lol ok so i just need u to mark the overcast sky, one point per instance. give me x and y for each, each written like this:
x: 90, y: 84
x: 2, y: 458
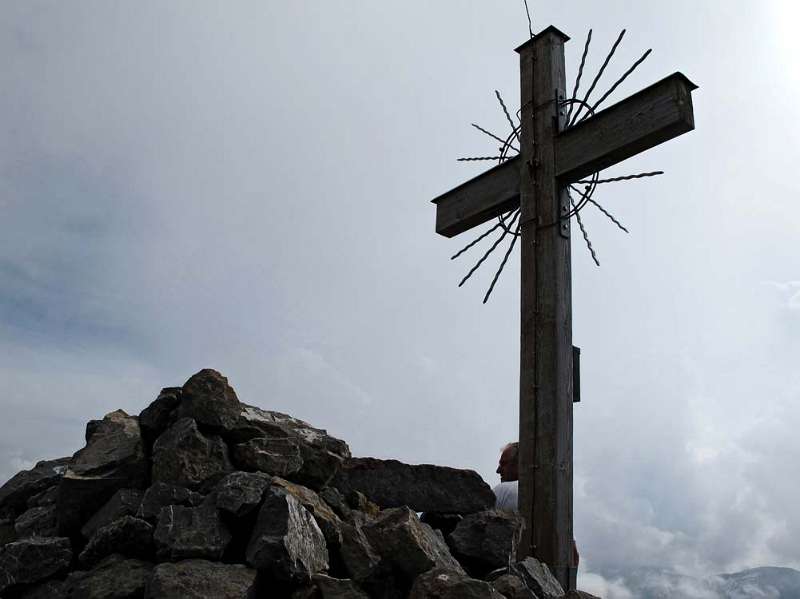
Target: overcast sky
x: 246, y: 186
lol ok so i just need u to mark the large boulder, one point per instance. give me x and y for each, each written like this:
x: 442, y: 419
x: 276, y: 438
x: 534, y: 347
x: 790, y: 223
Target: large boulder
x: 287, y: 542
x: 321, y: 454
x: 485, y: 541
x: 271, y: 455
x: 184, y: 456
x: 442, y: 583
x: 113, y: 459
x: 31, y: 560
x: 191, y: 532
x: 159, y: 415
x: 360, y: 561
x: 124, y: 502
x: 327, y: 520
x: 240, y: 493
x: 208, y: 399
x: 116, y: 577
x: 38, y: 522
x: 16, y: 492
x: 128, y: 536
x: 511, y: 586
x: 161, y: 494
x: 201, y: 579
x: 423, y: 488
x: 407, y: 544
x: 539, y: 579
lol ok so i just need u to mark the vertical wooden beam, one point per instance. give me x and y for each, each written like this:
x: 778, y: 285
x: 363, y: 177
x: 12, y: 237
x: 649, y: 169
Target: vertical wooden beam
x: 545, y: 436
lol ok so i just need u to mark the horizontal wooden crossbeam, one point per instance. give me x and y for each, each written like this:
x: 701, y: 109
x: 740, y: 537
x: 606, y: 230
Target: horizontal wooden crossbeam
x: 480, y: 199
x: 645, y: 119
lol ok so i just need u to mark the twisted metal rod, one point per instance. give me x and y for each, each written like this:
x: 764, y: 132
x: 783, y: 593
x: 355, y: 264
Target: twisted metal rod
x: 502, y: 264
x: 622, y: 178
x: 472, y: 243
x: 580, y: 73
x: 486, y: 255
x: 493, y: 136
x: 617, y: 83
x: 597, y: 77
x: 502, y: 221
x: 474, y: 158
x: 599, y: 207
x: 585, y: 234
x: 505, y: 110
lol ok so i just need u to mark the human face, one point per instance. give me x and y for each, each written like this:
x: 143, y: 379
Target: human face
x: 507, y: 468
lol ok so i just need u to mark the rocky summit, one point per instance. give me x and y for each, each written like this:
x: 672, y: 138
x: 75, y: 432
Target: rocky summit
x: 203, y: 496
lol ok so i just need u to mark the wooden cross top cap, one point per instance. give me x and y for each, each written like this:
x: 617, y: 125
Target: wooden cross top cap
x: 550, y: 30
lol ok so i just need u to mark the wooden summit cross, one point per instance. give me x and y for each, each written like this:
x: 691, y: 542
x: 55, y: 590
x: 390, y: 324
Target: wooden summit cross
x: 550, y: 158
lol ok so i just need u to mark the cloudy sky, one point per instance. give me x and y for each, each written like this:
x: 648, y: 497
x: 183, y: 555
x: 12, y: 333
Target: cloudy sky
x: 246, y: 187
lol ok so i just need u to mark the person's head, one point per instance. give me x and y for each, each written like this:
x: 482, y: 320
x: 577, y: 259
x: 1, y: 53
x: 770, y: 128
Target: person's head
x: 508, y: 468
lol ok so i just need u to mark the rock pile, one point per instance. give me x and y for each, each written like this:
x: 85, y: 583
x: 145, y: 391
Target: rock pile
x: 202, y: 496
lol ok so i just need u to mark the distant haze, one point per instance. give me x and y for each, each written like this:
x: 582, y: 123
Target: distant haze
x: 246, y: 187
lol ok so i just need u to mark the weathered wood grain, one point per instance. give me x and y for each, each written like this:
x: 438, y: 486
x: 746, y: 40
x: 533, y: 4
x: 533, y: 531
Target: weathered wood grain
x: 545, y: 473
x: 480, y: 199
x: 644, y: 120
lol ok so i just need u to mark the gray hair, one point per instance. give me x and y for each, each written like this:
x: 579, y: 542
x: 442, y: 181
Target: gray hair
x: 514, y: 447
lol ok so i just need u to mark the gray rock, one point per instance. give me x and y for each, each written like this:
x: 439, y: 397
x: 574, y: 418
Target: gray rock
x: 287, y: 542
x: 361, y: 562
x: 114, y: 578
x: 208, y: 399
x: 161, y: 494
x: 7, y: 532
x: 580, y: 595
x: 423, y: 488
x: 327, y: 520
x: 124, y: 502
x: 410, y: 546
x: 511, y: 587
x: 334, y: 498
x: 445, y: 522
x: 326, y: 587
x: 539, y: 578
x: 46, y: 497
x: 19, y: 488
x: 239, y: 493
x: 32, y: 560
x: 37, y: 521
x: 159, y: 415
x: 278, y: 456
x: 321, y: 453
x: 359, y: 502
x: 52, y: 589
x: 191, y: 532
x: 113, y: 459
x: 442, y: 583
x: 183, y: 456
x: 200, y: 579
x: 128, y: 536
x: 485, y: 541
